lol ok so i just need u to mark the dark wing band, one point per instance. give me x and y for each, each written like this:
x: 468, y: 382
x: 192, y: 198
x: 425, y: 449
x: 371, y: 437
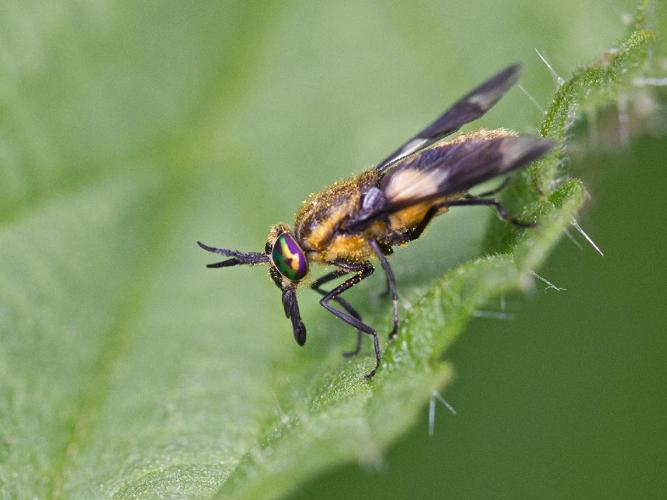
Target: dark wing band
x: 456, y: 167
x: 467, y: 109
x: 448, y: 169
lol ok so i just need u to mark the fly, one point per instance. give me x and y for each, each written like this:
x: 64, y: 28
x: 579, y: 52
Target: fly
x: 355, y: 221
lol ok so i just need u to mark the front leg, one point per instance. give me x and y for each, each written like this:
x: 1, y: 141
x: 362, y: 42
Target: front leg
x: 362, y: 272
x: 317, y: 286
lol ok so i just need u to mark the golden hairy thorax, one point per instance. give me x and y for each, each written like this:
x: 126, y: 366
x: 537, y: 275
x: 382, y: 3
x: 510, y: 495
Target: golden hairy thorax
x: 322, y: 213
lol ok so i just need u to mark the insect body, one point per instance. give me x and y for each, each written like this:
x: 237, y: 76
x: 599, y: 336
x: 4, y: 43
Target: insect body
x: 352, y: 222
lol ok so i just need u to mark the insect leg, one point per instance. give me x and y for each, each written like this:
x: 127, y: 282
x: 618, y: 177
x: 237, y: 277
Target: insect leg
x: 364, y: 272
x: 316, y: 285
x: 391, y: 281
x: 386, y: 250
x: 497, y: 190
x: 502, y: 213
x: 327, y: 278
x: 276, y: 277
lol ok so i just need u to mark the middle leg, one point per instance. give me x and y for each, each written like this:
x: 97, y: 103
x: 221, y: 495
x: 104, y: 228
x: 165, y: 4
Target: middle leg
x: 391, y: 282
x: 490, y: 202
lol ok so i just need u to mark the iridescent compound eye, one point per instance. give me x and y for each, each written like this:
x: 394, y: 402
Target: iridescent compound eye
x: 288, y: 258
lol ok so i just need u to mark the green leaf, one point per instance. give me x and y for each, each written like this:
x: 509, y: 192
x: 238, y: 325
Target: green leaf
x: 129, y: 132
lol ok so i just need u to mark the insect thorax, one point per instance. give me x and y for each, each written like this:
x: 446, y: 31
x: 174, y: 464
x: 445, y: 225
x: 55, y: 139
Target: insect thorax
x: 321, y: 215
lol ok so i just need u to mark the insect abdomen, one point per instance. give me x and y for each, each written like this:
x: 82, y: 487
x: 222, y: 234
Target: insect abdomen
x: 411, y: 216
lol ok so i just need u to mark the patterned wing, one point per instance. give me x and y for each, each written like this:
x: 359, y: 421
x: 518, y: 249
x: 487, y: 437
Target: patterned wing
x: 467, y: 109
x: 450, y: 168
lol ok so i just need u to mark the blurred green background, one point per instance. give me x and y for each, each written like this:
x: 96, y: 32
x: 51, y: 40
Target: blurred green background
x: 128, y: 131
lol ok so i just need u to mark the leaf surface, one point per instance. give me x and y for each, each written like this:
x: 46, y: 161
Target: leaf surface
x: 128, y: 133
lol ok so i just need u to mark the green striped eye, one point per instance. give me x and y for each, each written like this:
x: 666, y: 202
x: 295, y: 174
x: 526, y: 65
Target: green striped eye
x: 288, y: 258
